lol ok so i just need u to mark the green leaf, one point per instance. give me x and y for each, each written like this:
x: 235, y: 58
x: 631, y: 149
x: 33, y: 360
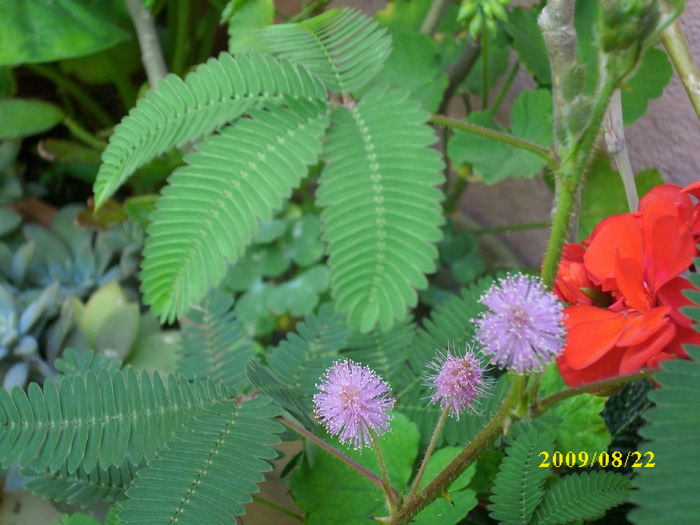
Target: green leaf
x: 331, y: 492
x: 604, y: 194
x: 581, y: 496
x: 528, y: 43
x: 24, y: 117
x: 519, y: 485
x: 9, y: 220
x: 38, y: 31
x: 299, y: 296
x: 459, y: 500
x: 531, y: 120
x: 648, y: 82
x: 414, y: 65
x: 342, y: 47
x: 235, y: 178
x: 82, y: 488
x: 180, y: 111
x: 77, y: 519
x: 382, y: 208
x: 125, y: 415
x: 212, y: 467
x: 214, y: 342
x: 244, y: 19
x: 575, y: 422
x: 668, y: 490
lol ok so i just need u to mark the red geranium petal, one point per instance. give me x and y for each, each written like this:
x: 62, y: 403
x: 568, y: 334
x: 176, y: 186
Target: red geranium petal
x: 621, y: 236
x: 636, y: 356
x: 591, y: 333
x: 642, y: 327
x: 629, y: 279
x: 669, y: 250
x: 607, y: 366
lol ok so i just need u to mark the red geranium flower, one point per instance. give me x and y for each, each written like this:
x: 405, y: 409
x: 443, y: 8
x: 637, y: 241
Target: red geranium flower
x: 625, y: 288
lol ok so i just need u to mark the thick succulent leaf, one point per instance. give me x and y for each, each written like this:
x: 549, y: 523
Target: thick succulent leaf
x: 179, y: 111
x: 581, y: 496
x: 125, y: 415
x: 519, y: 484
x: 215, y: 343
x: 382, y: 211
x: 342, y: 47
x: 209, y: 212
x: 212, y: 467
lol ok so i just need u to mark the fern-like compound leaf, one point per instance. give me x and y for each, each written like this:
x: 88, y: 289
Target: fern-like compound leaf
x: 582, y: 496
x: 382, y: 207
x: 215, y: 343
x: 179, y: 111
x: 342, y: 47
x: 669, y: 485
x: 385, y: 352
x: 519, y: 484
x: 94, y: 418
x: 209, y: 212
x: 301, y: 359
x: 212, y: 467
x: 80, y: 487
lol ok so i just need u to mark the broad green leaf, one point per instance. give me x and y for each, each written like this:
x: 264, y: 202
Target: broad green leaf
x: 461, y: 500
x: 415, y: 65
x: 575, y: 423
x: 299, y: 296
x: 604, y: 194
x: 244, y: 18
x: 24, y: 117
x: 103, y: 67
x: 39, y: 31
x: 531, y: 120
x: 648, y: 82
x: 331, y: 492
x: 529, y: 44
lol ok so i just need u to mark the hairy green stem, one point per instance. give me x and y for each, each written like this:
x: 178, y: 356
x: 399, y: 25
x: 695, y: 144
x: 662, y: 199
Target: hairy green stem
x: 333, y: 451
x: 75, y: 91
x: 556, y: 20
x: 463, y: 460
x: 541, y: 406
x: 495, y: 135
x: 675, y: 44
x: 391, y: 494
x: 570, y: 178
x: 429, y: 451
x: 151, y: 54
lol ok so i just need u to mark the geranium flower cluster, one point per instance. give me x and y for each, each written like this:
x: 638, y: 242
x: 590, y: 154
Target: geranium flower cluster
x: 625, y: 288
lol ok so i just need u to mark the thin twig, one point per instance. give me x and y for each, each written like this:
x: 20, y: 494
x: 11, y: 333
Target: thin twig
x: 151, y: 54
x: 617, y: 147
x: 674, y: 42
x: 434, y: 16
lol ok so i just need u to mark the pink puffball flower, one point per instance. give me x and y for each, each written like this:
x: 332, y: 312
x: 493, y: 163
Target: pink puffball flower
x: 524, y: 328
x: 458, y: 382
x: 353, y: 402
